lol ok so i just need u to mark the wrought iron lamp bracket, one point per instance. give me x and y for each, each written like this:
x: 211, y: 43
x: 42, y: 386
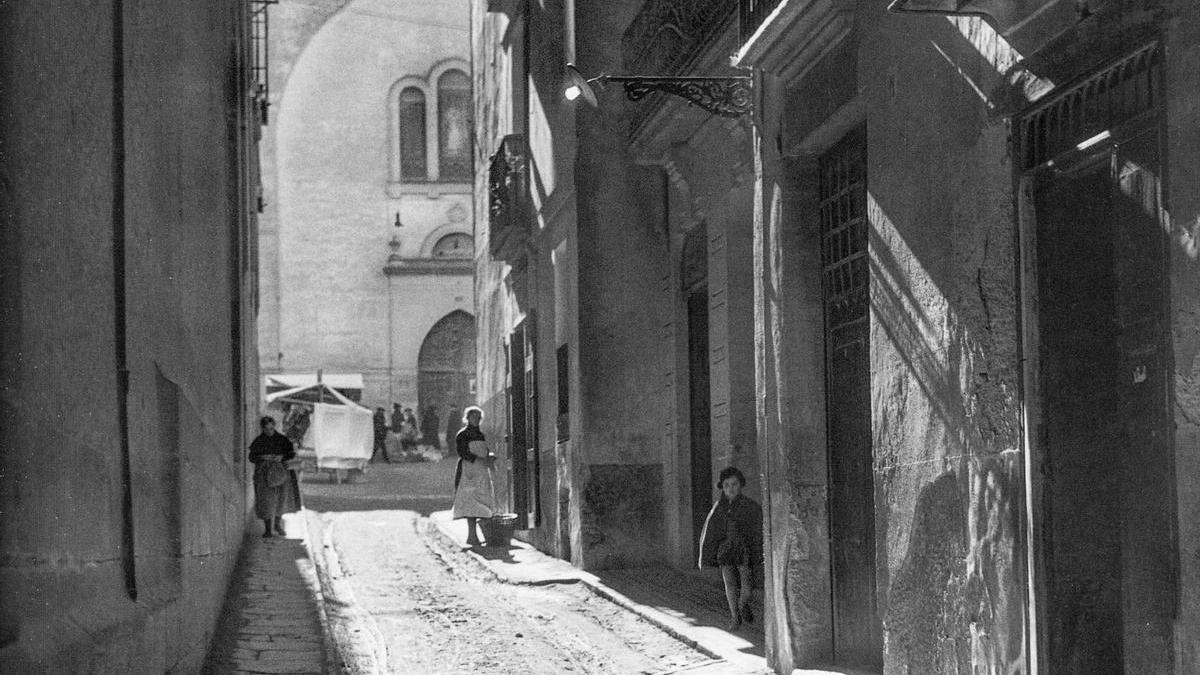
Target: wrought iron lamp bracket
x: 730, y: 96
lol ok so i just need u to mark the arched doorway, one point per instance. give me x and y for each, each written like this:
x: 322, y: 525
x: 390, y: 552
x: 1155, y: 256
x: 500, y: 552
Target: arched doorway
x: 446, y: 365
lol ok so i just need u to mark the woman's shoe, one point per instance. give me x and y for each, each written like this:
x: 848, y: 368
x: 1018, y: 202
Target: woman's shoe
x: 734, y: 625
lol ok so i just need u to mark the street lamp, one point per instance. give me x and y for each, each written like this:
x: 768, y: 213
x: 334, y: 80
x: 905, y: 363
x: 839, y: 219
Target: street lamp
x: 728, y: 96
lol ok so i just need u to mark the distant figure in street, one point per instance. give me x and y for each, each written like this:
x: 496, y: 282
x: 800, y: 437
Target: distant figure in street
x: 276, y: 490
x: 409, y: 434
x: 732, y: 540
x: 431, y: 427
x: 381, y: 430
x: 474, y: 493
x: 397, y: 418
x: 453, y: 423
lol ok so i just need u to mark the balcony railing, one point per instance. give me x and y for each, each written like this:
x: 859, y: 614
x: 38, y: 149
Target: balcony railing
x: 752, y: 13
x: 260, y: 64
x: 508, y: 227
x: 667, y: 36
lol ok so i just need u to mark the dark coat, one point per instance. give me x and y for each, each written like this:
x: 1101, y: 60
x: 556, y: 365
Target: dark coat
x: 271, y: 502
x: 741, y: 520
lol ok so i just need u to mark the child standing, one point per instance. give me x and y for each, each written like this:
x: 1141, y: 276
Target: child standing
x: 732, y: 540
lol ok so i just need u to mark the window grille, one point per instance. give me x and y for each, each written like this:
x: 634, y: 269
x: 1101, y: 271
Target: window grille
x: 843, y: 186
x: 1121, y: 92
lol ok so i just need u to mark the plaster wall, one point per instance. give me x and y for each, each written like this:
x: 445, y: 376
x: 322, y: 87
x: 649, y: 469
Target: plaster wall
x: 333, y: 197
x: 622, y: 252
x: 948, y: 443
x: 949, y: 480
x: 170, y: 183
x: 1181, y: 35
x: 517, y: 93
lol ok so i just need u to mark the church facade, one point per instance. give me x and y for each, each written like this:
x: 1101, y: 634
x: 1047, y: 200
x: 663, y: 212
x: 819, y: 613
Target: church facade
x: 366, y: 244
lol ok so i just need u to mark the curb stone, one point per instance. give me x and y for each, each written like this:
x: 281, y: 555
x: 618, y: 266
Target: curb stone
x: 361, y: 650
x: 333, y: 657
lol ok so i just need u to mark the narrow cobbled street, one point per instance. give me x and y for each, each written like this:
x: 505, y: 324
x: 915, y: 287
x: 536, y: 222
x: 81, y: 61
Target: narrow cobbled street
x: 398, y: 590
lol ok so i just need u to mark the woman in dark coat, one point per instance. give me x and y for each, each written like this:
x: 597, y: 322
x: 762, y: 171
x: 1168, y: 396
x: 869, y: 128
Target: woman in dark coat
x: 732, y: 540
x: 276, y: 490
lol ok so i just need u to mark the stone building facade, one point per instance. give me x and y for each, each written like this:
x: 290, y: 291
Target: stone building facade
x: 589, y: 261
x: 954, y: 244
x: 128, y: 364
x: 367, y: 222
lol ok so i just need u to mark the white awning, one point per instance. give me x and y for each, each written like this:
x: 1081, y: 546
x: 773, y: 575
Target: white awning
x: 340, y: 381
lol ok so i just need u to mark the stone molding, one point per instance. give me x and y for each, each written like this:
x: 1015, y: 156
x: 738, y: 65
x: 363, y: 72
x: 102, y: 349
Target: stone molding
x: 795, y: 37
x: 413, y: 266
x: 430, y: 189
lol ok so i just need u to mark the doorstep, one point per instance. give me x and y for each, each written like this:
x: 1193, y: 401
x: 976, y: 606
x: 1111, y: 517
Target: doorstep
x: 522, y: 564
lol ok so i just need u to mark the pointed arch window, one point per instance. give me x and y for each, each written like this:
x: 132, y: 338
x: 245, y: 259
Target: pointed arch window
x: 413, y: 165
x: 454, y: 126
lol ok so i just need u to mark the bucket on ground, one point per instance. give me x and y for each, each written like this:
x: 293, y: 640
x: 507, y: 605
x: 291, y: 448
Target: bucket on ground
x: 498, y: 530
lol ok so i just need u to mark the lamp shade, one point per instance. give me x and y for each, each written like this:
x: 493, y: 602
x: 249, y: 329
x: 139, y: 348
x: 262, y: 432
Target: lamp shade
x: 579, y: 87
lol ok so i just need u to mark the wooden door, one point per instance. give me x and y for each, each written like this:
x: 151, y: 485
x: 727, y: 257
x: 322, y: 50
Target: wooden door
x: 694, y: 284
x: 533, y: 461
x: 446, y: 365
x: 857, y: 633
x: 518, y: 439
x: 1106, y: 510
x: 699, y: 398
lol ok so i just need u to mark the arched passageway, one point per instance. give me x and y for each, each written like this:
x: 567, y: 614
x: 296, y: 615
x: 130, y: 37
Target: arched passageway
x: 446, y: 365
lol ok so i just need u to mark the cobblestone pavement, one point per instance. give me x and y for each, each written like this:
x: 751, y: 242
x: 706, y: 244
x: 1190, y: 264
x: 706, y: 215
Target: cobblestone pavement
x: 434, y: 613
x: 271, y: 622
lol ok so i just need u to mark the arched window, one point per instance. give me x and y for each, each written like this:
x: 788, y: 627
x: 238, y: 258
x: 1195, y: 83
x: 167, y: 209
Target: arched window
x: 457, y: 245
x: 412, y: 135
x: 454, y: 126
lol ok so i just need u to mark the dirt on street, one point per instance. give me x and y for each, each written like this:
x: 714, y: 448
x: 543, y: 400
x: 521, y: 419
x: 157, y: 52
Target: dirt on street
x: 436, y: 613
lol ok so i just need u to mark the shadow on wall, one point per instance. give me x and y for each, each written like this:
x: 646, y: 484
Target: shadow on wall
x: 621, y: 516
x: 947, y: 608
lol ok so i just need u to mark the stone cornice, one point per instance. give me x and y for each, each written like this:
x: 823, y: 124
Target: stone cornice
x: 795, y: 36
x: 412, y: 266
x: 431, y: 189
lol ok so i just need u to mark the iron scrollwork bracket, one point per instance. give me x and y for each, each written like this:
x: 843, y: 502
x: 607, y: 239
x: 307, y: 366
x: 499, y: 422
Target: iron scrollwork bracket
x: 725, y: 96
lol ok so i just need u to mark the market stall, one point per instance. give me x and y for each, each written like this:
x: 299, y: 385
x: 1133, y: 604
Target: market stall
x: 332, y: 432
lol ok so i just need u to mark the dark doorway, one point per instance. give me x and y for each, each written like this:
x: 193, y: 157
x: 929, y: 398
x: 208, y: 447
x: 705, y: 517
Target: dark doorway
x: 1107, y: 514
x: 1101, y: 465
x: 522, y: 398
x: 857, y: 634
x: 446, y: 365
x: 695, y: 288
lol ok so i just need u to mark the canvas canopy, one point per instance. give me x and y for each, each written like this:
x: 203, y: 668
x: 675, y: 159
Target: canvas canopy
x: 349, y: 384
x: 341, y: 431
